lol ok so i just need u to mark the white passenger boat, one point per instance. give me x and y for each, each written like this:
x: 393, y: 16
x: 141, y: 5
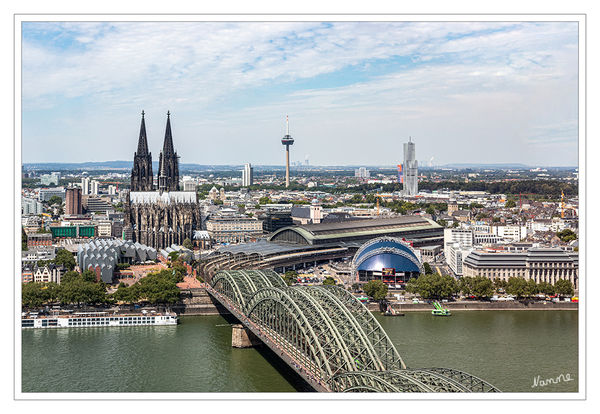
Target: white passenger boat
x: 94, y: 319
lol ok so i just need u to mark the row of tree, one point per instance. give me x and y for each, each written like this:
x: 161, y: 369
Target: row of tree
x: 435, y: 286
x: 74, y: 289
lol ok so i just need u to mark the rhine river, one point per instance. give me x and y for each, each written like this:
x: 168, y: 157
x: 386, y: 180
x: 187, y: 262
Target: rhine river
x: 506, y: 348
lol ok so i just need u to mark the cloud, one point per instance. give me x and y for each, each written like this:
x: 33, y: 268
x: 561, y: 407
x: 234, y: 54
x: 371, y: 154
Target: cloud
x: 514, y: 77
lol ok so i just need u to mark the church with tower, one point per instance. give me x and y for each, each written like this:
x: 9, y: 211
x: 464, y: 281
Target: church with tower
x: 159, y: 216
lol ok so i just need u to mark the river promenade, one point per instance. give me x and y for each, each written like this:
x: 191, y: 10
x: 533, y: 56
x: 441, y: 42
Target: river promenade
x: 196, y: 301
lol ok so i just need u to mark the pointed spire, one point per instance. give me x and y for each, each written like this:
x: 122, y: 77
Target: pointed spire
x: 168, y: 144
x: 142, y: 141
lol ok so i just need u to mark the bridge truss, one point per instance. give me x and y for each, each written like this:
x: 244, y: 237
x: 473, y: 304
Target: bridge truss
x: 328, y: 336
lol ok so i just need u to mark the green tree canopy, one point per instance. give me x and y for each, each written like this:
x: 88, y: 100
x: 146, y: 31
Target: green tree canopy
x: 88, y: 276
x: 376, y: 289
x: 264, y: 200
x: 290, y: 277
x: 564, y: 287
x: 510, y: 204
x: 546, y: 288
x: 23, y: 239
x: 427, y: 268
x: 517, y: 286
x: 55, y: 200
x: 329, y: 281
x: 187, y: 243
x: 433, y: 286
x: 567, y: 235
x: 65, y: 258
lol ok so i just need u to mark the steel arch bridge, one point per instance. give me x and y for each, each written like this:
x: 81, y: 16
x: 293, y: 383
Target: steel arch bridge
x: 330, y: 338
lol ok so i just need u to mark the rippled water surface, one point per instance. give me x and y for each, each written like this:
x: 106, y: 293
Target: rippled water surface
x: 507, y: 348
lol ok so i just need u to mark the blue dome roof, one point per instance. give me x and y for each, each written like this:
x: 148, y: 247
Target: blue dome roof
x: 393, y: 254
x: 388, y: 260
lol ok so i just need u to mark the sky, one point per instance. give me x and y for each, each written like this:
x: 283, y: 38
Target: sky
x: 466, y: 92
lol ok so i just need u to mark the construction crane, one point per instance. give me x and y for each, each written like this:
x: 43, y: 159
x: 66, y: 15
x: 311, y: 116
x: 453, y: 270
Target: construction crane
x: 47, y: 215
x: 112, y: 182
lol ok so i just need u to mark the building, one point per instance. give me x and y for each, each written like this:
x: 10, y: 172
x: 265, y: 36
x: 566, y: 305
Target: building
x: 452, y: 207
x: 49, y: 179
x: 50, y: 273
x: 102, y: 256
x: 247, y: 175
x: 417, y: 230
x: 35, y: 240
x: 94, y: 187
x: 362, y: 173
x: 37, y: 254
x: 287, y: 140
x: 455, y: 254
x: 276, y: 219
x: 165, y: 217
x: 538, y: 264
x: 73, y: 201
x: 512, y: 233
x: 73, y: 232
x: 457, y: 235
x: 112, y: 190
x: 104, y: 228
x: 97, y: 205
x: 189, y: 184
x: 410, y: 170
x: 30, y: 206
x: 85, y: 185
x: 302, y: 214
x: 234, y: 229
x: 46, y: 194
x: 388, y: 259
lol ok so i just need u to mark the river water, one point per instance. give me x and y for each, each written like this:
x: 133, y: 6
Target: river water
x: 506, y: 348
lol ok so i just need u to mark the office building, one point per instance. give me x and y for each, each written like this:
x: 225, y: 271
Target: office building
x: 247, y: 175
x: 31, y: 206
x: 73, y: 201
x: 410, y: 170
x: 538, y: 264
x: 49, y: 179
x: 47, y: 193
x: 234, y: 229
x: 362, y: 173
x: 85, y: 185
x: 94, y: 187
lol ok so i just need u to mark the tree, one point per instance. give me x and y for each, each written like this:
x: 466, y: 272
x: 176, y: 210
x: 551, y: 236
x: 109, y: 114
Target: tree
x: 427, y: 268
x: 33, y: 295
x: 69, y: 276
x: 355, y: 287
x: 510, y: 204
x: 264, y: 200
x: 376, y: 289
x: 532, y: 288
x: 187, y: 243
x: 482, y: 287
x: 430, y: 210
x: 173, y: 256
x: 158, y: 288
x: 567, y: 235
x: 23, y: 239
x: 217, y: 202
x: 65, y: 258
x: 516, y: 286
x: 290, y: 277
x: 546, y: 288
x: 475, y: 205
x: 500, y: 284
x: 126, y: 294
x: 88, y: 276
x: 329, y: 281
x: 564, y: 287
x: 55, y: 200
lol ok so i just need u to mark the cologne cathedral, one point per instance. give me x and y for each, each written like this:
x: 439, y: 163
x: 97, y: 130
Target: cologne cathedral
x: 159, y: 216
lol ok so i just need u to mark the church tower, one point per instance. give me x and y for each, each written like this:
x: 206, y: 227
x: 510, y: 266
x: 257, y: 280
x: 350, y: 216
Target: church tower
x: 141, y: 174
x: 168, y: 164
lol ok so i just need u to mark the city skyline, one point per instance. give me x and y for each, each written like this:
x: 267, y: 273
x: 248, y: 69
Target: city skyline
x: 497, y: 92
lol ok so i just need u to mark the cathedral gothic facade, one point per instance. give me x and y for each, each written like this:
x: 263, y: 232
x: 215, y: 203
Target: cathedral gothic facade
x: 162, y: 216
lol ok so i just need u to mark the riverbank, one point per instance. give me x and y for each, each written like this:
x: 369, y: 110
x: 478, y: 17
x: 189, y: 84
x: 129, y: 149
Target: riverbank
x: 197, y: 301
x: 481, y: 306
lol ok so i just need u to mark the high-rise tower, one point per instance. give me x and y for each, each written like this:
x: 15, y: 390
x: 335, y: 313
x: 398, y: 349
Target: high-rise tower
x: 287, y: 140
x: 141, y: 174
x: 410, y: 170
x: 168, y: 163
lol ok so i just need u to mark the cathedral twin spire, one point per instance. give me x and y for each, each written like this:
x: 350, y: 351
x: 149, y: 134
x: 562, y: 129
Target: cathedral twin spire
x: 168, y: 168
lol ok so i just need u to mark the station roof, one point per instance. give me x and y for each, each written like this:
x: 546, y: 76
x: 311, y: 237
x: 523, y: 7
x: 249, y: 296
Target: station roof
x: 365, y: 227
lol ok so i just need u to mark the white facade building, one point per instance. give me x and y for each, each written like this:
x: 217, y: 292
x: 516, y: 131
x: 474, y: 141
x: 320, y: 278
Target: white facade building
x: 513, y: 233
x: 85, y: 186
x: 31, y: 206
x: 247, y: 175
x: 94, y: 187
x: 362, y: 173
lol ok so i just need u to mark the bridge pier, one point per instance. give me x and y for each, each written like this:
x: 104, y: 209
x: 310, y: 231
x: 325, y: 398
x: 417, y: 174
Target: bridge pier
x: 242, y: 337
